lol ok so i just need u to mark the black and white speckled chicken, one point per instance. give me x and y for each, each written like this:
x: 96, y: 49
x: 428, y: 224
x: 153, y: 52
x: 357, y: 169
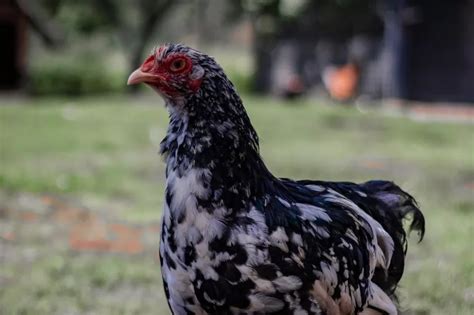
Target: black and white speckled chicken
x: 235, y: 239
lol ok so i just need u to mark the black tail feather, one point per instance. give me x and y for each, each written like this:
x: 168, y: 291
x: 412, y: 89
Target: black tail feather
x: 393, y: 207
x: 389, y: 205
x: 400, y: 202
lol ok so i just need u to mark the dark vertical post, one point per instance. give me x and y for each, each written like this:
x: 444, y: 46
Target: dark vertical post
x: 263, y: 46
x: 395, y: 55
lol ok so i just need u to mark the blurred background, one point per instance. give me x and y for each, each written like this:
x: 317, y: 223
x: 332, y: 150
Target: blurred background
x: 337, y: 89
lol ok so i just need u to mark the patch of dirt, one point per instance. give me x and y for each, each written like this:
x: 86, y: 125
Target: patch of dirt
x: 71, y: 225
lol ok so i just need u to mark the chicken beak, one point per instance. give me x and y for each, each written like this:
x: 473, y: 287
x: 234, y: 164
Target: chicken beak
x: 138, y: 76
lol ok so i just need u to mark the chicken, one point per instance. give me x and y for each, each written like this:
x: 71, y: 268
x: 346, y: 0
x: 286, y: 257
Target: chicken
x: 237, y: 240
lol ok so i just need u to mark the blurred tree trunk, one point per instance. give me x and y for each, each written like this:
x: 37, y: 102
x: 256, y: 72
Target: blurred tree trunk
x: 151, y: 11
x: 200, y: 7
x: 40, y: 20
x: 266, y: 23
x: 263, y: 47
x: 135, y: 39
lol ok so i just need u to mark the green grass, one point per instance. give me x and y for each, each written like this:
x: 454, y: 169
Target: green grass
x: 103, y: 152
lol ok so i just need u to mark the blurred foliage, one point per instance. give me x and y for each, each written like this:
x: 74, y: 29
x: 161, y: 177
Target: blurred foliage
x: 84, y: 72
x: 82, y: 17
x: 129, y: 23
x: 242, y: 80
x: 130, y: 26
x: 74, y: 75
x: 338, y: 18
x: 71, y: 79
x: 304, y: 22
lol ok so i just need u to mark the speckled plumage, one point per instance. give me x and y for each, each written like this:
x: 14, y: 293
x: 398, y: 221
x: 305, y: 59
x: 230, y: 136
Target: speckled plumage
x: 237, y: 240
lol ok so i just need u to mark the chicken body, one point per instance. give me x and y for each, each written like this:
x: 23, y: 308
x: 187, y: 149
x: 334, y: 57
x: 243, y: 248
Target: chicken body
x: 237, y: 240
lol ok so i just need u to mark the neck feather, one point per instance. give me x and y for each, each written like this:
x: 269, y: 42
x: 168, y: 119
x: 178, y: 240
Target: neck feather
x: 212, y: 146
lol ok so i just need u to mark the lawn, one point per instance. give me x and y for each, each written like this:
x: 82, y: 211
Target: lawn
x: 101, y: 154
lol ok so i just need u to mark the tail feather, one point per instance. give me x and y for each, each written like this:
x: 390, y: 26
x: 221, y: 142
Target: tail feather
x: 401, y: 203
x: 393, y: 207
x: 390, y: 206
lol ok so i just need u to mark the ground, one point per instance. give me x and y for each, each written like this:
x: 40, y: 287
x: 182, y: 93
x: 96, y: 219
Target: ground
x: 81, y: 188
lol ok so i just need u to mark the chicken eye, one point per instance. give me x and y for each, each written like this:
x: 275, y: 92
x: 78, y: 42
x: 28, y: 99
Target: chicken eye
x: 177, y: 65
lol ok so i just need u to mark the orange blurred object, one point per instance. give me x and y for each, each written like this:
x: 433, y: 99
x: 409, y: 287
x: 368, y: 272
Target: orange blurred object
x: 341, y: 82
